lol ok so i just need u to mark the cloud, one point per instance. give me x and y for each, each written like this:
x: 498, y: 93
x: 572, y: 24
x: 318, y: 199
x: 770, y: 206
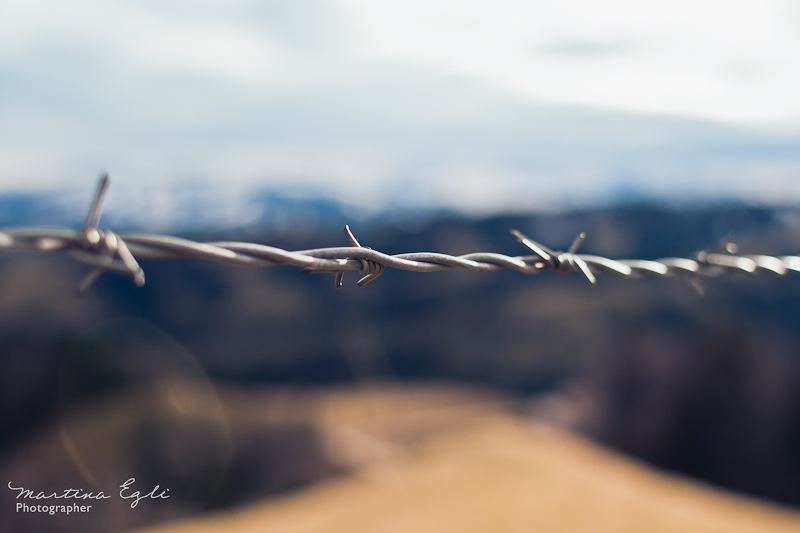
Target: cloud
x: 352, y: 97
x: 588, y: 49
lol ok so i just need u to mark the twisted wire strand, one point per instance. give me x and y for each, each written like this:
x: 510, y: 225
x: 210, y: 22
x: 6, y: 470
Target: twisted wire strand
x: 120, y: 252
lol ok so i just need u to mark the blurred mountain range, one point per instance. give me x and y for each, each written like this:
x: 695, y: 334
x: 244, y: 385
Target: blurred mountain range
x: 707, y: 385
x: 203, y: 209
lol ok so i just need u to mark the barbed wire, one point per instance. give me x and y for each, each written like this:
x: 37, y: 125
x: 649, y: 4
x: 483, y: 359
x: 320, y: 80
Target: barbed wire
x: 106, y: 250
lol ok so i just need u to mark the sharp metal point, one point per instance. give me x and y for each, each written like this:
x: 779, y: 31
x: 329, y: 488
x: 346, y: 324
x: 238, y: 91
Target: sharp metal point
x: 585, y: 270
x: 93, y: 218
x: 539, y: 249
x: 576, y: 243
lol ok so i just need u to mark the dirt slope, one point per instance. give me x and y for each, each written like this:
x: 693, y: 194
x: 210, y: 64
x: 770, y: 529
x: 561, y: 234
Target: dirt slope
x: 443, y: 459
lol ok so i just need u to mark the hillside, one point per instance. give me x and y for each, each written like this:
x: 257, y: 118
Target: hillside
x: 443, y: 460
x: 376, y: 457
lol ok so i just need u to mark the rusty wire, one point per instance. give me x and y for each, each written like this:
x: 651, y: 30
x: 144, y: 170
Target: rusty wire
x: 118, y: 252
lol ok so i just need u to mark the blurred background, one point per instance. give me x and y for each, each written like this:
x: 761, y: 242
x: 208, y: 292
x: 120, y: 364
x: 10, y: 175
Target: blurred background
x: 657, y: 129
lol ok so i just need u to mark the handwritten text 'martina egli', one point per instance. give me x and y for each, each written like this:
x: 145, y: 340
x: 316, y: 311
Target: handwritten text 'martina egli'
x: 126, y: 492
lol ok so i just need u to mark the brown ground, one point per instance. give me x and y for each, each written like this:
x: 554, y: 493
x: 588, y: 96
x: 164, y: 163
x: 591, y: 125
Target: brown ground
x: 439, y: 459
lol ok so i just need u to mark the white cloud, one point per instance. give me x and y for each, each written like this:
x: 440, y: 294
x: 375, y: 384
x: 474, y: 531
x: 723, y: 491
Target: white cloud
x: 729, y: 61
x: 479, y: 99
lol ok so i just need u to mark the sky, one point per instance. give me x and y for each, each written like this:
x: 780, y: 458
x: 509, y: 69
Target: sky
x: 482, y: 106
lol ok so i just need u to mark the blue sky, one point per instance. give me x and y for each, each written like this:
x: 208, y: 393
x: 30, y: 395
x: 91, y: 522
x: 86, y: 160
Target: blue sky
x: 483, y: 106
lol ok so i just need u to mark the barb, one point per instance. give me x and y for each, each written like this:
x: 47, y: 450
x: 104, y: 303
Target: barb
x: 118, y: 252
x: 563, y: 262
x: 99, y: 247
x: 369, y: 268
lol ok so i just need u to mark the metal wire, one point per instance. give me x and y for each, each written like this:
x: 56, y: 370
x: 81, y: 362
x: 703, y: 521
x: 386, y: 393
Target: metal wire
x: 118, y: 252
